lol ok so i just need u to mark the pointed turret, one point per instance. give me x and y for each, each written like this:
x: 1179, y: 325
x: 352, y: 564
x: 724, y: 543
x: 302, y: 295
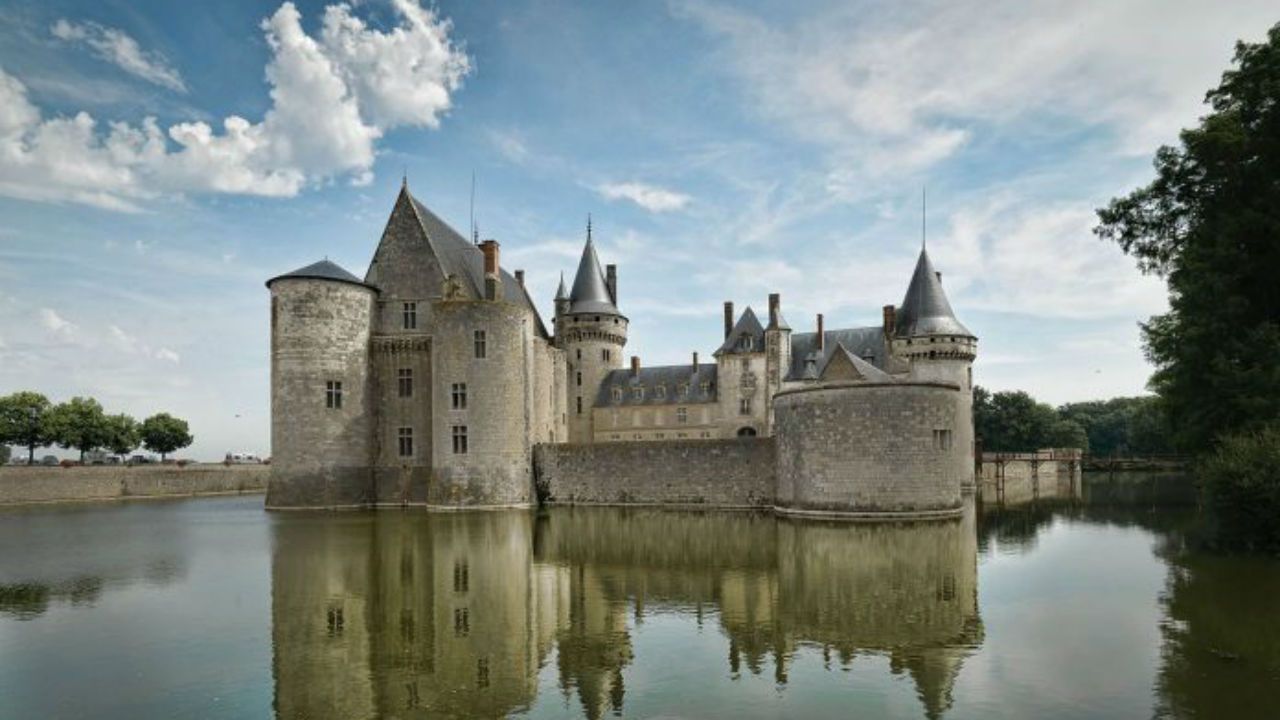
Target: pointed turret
x: 590, y: 292
x: 561, y: 292
x: 925, y: 309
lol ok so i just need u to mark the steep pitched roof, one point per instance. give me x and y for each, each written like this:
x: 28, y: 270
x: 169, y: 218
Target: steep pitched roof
x: 323, y: 270
x: 925, y: 310
x: 867, y: 343
x: 668, y: 376
x: 748, y: 326
x: 844, y: 365
x: 561, y: 292
x: 590, y: 292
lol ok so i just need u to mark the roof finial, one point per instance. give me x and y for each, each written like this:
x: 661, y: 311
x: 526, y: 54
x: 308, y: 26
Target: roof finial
x: 404, y: 178
x: 588, y: 227
x: 924, y: 213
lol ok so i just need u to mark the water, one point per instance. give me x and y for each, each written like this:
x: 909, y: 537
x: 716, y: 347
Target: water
x: 215, y: 609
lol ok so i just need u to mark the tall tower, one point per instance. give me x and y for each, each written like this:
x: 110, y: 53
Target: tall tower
x: 592, y: 333
x: 777, y: 343
x: 925, y: 331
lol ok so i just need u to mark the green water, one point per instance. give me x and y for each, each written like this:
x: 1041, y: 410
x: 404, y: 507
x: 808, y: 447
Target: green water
x: 214, y: 609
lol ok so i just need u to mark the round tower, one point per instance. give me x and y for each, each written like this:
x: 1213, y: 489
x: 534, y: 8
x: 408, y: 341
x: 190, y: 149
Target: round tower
x: 321, y: 320
x: 592, y: 333
x: 925, y: 332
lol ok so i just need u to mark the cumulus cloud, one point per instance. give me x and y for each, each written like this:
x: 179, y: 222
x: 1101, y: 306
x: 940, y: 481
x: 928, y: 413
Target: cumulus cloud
x: 118, y: 48
x: 332, y: 98
x: 57, y: 325
x: 649, y: 197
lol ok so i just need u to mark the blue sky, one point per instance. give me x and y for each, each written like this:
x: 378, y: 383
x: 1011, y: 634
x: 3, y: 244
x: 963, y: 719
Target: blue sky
x: 724, y: 150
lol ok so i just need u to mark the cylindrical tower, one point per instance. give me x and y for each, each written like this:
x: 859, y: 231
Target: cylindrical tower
x: 321, y: 320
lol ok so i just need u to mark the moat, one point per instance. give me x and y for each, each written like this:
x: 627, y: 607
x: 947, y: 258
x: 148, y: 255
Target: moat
x: 213, y: 608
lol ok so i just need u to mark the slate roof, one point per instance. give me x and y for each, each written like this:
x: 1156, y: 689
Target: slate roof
x: 748, y: 325
x: 590, y: 292
x: 865, y: 369
x: 669, y: 376
x: 323, y: 270
x: 925, y: 310
x: 561, y: 292
x: 863, y: 342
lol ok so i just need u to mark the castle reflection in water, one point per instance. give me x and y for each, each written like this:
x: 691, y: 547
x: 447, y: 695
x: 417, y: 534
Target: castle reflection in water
x: 411, y: 615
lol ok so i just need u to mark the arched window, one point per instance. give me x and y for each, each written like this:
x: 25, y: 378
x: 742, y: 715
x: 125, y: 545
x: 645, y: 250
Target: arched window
x: 746, y: 432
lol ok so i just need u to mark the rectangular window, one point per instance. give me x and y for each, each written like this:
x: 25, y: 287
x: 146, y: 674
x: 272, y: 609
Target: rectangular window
x: 683, y: 390
x: 637, y: 393
x: 579, y: 404
x: 617, y: 395
x: 404, y: 382
x: 333, y: 395
x: 481, y: 341
x: 682, y: 415
x: 579, y: 378
x: 459, y: 439
x: 461, y: 622
x: 461, y: 577
x: 744, y: 406
x: 942, y: 440
x: 405, y: 437
x: 459, y: 396
x: 410, y: 316
x: 577, y: 354
x: 660, y: 392
x: 604, y: 355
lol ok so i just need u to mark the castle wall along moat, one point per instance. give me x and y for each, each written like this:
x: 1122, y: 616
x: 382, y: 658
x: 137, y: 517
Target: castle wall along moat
x: 434, y: 382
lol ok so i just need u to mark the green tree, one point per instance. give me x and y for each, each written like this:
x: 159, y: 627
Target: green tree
x: 1209, y: 224
x: 1240, y: 484
x: 79, y: 423
x: 23, y: 421
x: 1014, y: 422
x: 5, y: 453
x: 164, y: 433
x: 123, y: 434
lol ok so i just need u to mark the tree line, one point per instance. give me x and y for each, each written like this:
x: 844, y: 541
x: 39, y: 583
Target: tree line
x: 28, y: 420
x: 1013, y: 421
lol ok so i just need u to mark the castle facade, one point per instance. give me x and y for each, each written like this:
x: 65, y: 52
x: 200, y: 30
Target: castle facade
x: 429, y: 382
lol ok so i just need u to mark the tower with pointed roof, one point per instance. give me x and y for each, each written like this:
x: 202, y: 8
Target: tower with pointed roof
x: 592, y: 333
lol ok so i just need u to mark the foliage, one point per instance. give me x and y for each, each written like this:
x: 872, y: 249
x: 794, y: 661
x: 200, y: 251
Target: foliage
x: 5, y: 453
x: 1240, y: 484
x: 1015, y: 422
x: 123, y: 434
x: 1209, y: 224
x: 1130, y: 426
x: 79, y: 423
x: 164, y: 433
x: 19, y: 426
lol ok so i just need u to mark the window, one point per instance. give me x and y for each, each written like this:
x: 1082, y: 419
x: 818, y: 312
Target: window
x: 334, y: 619
x: 660, y: 392
x: 578, y: 354
x: 404, y: 382
x: 405, y: 436
x: 459, y: 396
x: 941, y: 439
x: 461, y: 576
x: 410, y: 314
x: 461, y: 622
x: 579, y: 378
x: 579, y: 404
x: 682, y: 415
x: 459, y: 439
x: 706, y: 388
x: 660, y: 436
x: 617, y: 394
x: 482, y: 673
x: 746, y: 364
x: 744, y: 406
x: 683, y: 390
x: 604, y: 355
x: 333, y: 395
x: 481, y: 344
x: 637, y: 393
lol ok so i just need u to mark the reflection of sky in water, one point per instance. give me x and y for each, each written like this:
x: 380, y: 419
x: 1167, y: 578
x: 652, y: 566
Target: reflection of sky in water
x: 212, y: 608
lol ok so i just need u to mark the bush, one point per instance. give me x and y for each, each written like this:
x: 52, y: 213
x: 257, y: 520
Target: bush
x: 1240, y: 487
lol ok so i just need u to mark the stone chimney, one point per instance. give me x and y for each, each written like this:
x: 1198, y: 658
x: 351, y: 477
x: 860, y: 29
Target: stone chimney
x: 635, y: 366
x: 492, y: 280
x: 822, y: 335
x: 890, y: 320
x: 775, y: 304
x: 695, y: 362
x: 728, y: 318
x: 611, y: 280
x: 520, y: 277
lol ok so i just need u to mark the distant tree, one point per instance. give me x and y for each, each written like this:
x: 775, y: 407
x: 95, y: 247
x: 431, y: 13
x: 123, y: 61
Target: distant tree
x: 1209, y: 224
x: 1148, y: 428
x: 1015, y: 422
x: 1122, y: 426
x: 164, y: 434
x: 124, y: 434
x: 23, y: 421
x: 79, y: 424
x: 5, y: 453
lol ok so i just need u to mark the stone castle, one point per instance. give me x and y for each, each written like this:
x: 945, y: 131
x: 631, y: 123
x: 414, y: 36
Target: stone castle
x: 431, y: 381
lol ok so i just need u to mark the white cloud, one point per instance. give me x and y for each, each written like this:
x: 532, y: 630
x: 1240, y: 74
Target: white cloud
x: 332, y: 99
x: 57, y: 325
x: 510, y: 145
x: 649, y: 197
x: 118, y: 48
x: 168, y: 355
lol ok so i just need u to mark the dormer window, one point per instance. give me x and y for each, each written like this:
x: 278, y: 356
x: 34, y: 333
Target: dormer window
x: 637, y: 393
x: 683, y: 390
x: 706, y: 388
x: 617, y: 394
x: 661, y: 392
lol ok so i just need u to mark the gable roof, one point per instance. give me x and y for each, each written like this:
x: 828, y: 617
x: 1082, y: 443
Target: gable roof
x: 862, y: 370
x: 748, y: 325
x: 323, y: 270
x: 590, y: 292
x: 864, y: 342
x: 925, y: 309
x: 668, y: 376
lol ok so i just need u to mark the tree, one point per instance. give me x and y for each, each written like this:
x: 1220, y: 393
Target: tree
x: 1209, y: 224
x: 123, y: 434
x: 164, y: 433
x: 1015, y: 422
x: 5, y: 453
x: 23, y: 421
x: 79, y: 423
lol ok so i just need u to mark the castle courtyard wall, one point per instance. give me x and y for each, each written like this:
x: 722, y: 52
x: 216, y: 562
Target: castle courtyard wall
x: 22, y: 485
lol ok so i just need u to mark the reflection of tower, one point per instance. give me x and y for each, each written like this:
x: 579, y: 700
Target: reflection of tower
x: 593, y: 646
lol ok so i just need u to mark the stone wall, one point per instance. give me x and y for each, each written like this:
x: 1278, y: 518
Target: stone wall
x: 20, y: 485
x: 1017, y: 478
x: 720, y: 473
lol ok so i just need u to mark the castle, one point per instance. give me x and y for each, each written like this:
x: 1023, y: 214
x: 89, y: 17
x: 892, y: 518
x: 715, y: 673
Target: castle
x: 431, y: 381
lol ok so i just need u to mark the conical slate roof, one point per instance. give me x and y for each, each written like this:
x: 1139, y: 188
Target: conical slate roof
x: 590, y: 291
x: 925, y: 310
x: 323, y: 270
x: 561, y: 292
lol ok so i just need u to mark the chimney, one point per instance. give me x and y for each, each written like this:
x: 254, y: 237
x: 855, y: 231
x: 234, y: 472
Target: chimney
x: 492, y: 281
x: 775, y: 301
x: 890, y: 319
x: 695, y: 361
x: 635, y: 366
x: 937, y: 275
x: 822, y: 335
x: 611, y: 280
x: 728, y: 318
x: 520, y: 277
